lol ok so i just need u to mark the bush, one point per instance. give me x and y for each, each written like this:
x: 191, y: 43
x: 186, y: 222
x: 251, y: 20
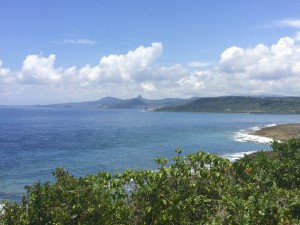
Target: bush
x: 201, y: 188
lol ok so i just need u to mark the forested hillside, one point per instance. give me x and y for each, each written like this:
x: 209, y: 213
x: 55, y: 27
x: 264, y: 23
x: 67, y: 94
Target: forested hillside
x: 239, y: 104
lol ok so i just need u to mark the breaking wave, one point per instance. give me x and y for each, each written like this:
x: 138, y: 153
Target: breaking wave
x: 248, y: 136
x: 237, y: 155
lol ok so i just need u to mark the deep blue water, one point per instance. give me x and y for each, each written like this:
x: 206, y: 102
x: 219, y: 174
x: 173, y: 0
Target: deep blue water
x: 34, y: 141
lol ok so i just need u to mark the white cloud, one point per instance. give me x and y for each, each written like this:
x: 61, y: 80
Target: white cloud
x: 122, y: 68
x: 297, y: 36
x: 198, y: 64
x: 170, y: 73
x: 256, y: 70
x: 39, y: 69
x: 290, y: 23
x: 6, y: 76
x: 78, y: 41
x: 148, y: 86
x: 262, y: 69
x: 262, y: 62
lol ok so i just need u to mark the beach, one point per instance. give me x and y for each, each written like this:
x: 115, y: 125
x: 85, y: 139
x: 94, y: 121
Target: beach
x: 280, y: 132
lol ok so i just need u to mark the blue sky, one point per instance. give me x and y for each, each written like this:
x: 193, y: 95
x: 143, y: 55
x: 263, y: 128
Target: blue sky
x: 60, y: 51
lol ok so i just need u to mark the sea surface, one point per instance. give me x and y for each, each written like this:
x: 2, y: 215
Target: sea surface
x: 34, y: 141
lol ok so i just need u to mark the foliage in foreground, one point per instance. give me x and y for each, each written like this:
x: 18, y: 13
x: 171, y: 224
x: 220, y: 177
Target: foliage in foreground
x: 201, y: 188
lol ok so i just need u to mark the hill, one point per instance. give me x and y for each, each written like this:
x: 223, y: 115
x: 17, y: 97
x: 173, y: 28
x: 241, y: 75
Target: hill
x: 116, y: 103
x: 240, y: 104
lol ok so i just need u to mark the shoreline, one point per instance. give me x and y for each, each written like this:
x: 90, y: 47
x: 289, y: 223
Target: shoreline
x: 282, y: 132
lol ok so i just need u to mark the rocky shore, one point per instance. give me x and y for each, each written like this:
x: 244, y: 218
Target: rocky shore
x: 280, y: 132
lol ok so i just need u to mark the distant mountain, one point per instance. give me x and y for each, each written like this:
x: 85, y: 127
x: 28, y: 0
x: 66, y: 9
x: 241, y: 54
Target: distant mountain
x: 116, y: 103
x: 240, y: 104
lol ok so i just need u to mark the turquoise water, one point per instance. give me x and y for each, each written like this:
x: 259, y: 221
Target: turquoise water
x: 34, y: 141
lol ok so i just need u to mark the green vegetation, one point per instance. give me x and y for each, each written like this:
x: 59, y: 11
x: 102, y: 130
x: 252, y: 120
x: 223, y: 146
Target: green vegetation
x: 238, y: 104
x: 201, y: 188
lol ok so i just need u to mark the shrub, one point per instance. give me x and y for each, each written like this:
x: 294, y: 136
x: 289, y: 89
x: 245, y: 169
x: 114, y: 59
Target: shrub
x: 200, y: 188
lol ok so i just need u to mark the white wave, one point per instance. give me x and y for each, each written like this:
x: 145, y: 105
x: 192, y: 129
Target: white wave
x: 237, y: 155
x: 247, y: 136
x: 271, y: 125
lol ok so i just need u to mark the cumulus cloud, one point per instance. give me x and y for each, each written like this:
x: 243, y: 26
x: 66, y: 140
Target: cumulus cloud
x: 262, y: 62
x: 125, y: 68
x: 5, y: 75
x: 148, y: 86
x: 297, y: 36
x: 39, y: 69
x: 256, y: 70
x: 261, y: 69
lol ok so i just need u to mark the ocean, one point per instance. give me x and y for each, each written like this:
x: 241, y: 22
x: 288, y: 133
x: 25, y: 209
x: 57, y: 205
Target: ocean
x: 35, y: 140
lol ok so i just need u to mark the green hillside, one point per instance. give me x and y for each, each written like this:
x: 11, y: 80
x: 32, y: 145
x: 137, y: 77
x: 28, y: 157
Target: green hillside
x: 239, y: 104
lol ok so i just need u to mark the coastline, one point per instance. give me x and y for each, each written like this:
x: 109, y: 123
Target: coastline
x: 266, y: 135
x: 282, y: 132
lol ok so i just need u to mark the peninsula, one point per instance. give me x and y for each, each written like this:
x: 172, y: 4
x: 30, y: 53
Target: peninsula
x: 239, y: 104
x: 282, y: 132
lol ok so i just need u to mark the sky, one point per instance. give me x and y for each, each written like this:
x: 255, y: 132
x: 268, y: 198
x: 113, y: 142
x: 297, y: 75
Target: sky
x: 70, y: 51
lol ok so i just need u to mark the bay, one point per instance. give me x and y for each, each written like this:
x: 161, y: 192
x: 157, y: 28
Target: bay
x: 34, y: 141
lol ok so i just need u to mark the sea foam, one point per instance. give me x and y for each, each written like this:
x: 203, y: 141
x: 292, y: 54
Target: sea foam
x: 237, y: 155
x: 248, y: 136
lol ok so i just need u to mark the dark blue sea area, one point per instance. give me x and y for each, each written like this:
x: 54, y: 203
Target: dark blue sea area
x: 36, y: 140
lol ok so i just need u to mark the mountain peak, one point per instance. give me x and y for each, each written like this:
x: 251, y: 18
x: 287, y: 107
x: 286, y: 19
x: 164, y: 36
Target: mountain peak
x: 140, y: 97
